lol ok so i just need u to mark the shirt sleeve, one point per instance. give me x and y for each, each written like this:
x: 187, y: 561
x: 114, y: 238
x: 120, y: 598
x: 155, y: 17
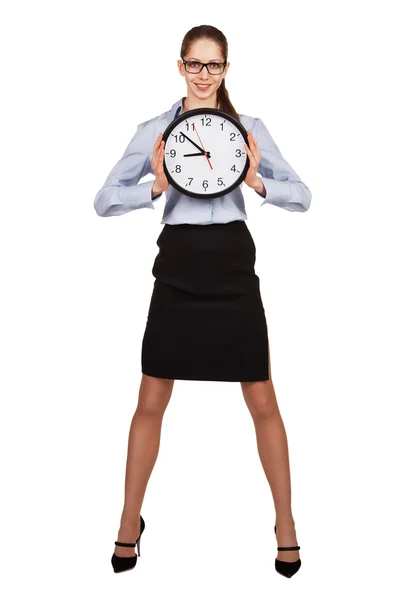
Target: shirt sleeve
x: 122, y: 192
x: 283, y: 185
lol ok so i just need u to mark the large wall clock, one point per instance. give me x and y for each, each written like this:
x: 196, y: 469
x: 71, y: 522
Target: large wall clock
x: 204, y: 153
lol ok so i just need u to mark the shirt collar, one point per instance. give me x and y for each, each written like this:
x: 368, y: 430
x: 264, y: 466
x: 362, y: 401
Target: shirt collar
x: 176, y: 108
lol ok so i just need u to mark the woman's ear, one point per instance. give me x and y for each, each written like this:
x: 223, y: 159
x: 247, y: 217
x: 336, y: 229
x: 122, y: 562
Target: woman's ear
x: 180, y: 67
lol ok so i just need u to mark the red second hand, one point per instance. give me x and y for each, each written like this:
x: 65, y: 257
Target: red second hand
x: 202, y: 145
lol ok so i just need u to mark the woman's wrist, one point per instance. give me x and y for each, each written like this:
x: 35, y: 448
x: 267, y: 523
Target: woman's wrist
x: 155, y: 191
x: 259, y: 186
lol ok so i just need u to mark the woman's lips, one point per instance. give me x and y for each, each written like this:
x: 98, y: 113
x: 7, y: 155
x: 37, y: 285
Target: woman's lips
x: 203, y: 89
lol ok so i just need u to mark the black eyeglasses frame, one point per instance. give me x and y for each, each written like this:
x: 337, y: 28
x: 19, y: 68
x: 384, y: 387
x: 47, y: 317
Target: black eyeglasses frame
x: 204, y: 65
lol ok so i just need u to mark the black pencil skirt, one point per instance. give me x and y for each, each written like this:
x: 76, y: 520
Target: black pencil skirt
x: 206, y: 318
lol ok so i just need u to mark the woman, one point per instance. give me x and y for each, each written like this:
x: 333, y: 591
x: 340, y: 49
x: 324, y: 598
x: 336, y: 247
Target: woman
x: 206, y: 319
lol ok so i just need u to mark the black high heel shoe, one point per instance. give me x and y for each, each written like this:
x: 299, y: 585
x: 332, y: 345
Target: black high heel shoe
x: 287, y: 568
x: 125, y: 563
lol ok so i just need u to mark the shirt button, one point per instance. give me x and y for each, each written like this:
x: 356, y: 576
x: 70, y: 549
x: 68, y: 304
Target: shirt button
x: 207, y: 205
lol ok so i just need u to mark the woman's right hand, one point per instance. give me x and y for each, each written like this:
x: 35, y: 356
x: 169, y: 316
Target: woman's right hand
x: 157, y: 162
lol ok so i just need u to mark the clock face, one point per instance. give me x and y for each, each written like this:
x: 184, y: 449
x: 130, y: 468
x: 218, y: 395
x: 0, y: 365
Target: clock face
x: 204, y: 154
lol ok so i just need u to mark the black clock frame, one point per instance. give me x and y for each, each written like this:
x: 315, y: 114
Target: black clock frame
x: 205, y: 112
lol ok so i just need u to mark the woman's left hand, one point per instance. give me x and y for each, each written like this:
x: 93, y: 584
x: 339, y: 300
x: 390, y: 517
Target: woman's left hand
x: 254, y: 155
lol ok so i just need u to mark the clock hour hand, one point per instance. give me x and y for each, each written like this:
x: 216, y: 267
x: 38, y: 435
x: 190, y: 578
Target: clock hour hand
x: 192, y: 142
x: 198, y: 154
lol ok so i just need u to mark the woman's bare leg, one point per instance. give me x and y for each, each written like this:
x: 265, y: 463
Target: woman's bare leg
x: 273, y: 451
x: 143, y: 446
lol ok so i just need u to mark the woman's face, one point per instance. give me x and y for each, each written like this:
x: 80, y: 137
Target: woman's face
x: 204, y: 51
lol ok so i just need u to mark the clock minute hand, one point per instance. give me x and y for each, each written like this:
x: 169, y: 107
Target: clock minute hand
x: 192, y: 142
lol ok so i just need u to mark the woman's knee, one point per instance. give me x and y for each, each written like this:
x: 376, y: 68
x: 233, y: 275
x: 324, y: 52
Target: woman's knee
x: 154, y: 395
x: 260, y: 398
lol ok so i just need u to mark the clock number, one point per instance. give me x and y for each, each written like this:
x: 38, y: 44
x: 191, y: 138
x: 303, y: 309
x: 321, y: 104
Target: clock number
x: 178, y: 169
x: 233, y: 168
x: 188, y: 126
x: 220, y: 181
x: 232, y: 137
x: 240, y: 152
x: 190, y: 180
x: 172, y: 153
x: 222, y: 125
x: 208, y: 119
x: 205, y: 184
x: 181, y: 137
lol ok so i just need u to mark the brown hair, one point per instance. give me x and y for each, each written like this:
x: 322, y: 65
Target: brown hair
x: 212, y: 33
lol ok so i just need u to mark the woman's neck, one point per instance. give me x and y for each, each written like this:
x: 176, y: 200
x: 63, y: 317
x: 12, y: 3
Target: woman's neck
x: 209, y: 104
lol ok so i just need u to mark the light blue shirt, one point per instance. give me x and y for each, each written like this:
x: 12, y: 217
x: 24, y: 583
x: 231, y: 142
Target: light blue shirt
x: 123, y: 192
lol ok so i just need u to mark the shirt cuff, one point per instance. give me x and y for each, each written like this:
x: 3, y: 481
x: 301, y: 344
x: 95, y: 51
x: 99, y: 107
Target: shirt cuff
x: 278, y: 192
x: 137, y: 196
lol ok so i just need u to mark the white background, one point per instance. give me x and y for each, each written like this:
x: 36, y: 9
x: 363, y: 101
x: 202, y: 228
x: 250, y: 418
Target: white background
x: 77, y: 79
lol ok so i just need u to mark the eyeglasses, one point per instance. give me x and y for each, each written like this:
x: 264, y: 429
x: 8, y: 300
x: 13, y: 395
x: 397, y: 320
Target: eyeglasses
x: 214, y: 68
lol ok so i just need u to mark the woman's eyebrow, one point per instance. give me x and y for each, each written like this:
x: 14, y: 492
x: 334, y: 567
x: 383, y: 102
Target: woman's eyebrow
x: 212, y: 60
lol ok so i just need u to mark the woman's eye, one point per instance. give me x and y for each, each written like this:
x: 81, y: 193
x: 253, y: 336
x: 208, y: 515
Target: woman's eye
x: 193, y: 64
x: 215, y: 65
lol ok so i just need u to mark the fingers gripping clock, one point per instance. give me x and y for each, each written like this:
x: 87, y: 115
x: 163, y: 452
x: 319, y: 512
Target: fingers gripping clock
x: 204, y: 154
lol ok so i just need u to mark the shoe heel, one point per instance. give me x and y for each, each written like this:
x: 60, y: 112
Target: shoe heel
x: 122, y: 563
x: 285, y: 568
